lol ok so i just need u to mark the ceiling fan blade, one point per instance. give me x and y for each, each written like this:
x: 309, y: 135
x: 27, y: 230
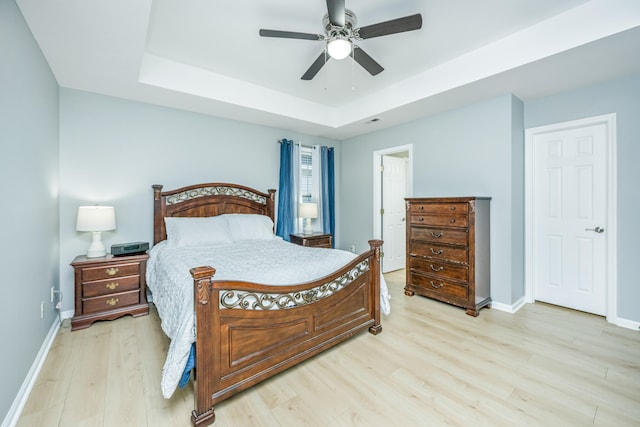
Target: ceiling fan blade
x: 316, y: 66
x: 336, y: 12
x: 400, y: 25
x: 290, y: 35
x: 367, y: 62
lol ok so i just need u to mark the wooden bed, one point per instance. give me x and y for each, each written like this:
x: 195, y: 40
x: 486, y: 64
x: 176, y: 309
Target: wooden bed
x: 237, y: 346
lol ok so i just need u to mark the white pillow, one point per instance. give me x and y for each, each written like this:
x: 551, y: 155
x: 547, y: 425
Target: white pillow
x: 197, y: 231
x: 250, y: 227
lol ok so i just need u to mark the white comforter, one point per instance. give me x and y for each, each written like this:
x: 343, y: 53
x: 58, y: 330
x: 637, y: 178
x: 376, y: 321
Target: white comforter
x: 258, y: 261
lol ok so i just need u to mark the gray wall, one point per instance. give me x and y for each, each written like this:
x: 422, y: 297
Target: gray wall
x: 622, y: 97
x: 113, y: 150
x: 472, y: 151
x: 29, y: 214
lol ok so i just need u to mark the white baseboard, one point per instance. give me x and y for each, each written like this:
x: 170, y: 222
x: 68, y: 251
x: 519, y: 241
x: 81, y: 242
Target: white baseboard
x: 66, y: 314
x: 509, y: 308
x: 12, y: 416
x: 629, y: 324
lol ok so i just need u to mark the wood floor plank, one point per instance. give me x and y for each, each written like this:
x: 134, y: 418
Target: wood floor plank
x: 431, y: 365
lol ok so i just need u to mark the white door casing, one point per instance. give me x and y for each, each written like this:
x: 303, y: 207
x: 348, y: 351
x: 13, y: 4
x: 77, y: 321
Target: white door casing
x: 394, y: 190
x: 570, y: 215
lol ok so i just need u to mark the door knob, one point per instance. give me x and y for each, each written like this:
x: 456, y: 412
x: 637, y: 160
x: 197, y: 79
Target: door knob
x: 597, y: 229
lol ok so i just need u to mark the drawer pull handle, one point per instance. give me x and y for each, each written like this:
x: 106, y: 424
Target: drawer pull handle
x: 453, y: 208
x: 452, y: 220
x: 434, y: 286
x: 112, y: 271
x: 436, y: 269
x: 433, y: 251
x: 421, y: 208
x: 436, y: 235
x: 113, y: 285
x: 112, y: 301
x: 420, y: 219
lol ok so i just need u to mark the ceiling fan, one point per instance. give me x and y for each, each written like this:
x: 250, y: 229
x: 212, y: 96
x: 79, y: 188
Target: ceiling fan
x: 341, y: 31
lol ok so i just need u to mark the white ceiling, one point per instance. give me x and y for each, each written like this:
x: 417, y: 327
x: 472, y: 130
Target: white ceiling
x: 207, y: 56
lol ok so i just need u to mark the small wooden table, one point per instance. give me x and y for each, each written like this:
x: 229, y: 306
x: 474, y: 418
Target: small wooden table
x: 316, y: 240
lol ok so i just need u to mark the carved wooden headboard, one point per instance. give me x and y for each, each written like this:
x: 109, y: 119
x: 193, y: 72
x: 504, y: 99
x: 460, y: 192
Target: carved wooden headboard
x: 203, y: 200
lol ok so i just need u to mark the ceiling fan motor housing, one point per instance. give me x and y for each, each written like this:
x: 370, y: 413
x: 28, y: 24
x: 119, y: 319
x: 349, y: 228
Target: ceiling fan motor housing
x: 346, y: 32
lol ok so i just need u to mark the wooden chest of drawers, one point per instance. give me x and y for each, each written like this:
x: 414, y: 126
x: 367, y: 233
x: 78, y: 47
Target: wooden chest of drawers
x: 448, y: 250
x: 109, y: 287
x: 316, y: 240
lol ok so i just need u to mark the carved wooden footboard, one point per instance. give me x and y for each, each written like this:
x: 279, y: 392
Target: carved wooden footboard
x: 247, y: 332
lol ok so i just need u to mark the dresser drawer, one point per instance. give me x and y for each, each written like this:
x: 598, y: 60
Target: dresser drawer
x: 440, y: 287
x: 439, y: 235
x: 448, y: 253
x: 452, y: 220
x: 110, y: 286
x: 110, y: 271
x: 440, y: 269
x: 440, y: 208
x: 110, y: 302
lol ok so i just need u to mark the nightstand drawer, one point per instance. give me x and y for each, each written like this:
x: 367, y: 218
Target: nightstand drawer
x: 110, y: 302
x: 315, y: 240
x: 109, y: 271
x: 110, y: 286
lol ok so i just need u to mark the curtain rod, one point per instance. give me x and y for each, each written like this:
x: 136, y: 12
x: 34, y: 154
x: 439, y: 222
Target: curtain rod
x: 304, y: 146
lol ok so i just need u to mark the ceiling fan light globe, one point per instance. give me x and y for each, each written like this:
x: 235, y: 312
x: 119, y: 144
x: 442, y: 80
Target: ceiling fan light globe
x: 339, y: 48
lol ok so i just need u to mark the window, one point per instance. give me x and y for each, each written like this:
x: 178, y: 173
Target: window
x: 306, y: 174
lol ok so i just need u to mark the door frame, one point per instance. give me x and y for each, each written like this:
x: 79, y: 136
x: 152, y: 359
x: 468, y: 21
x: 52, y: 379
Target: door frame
x: 377, y: 182
x: 609, y: 120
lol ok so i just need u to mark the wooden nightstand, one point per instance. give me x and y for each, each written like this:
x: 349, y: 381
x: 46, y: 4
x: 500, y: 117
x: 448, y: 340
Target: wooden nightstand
x: 316, y: 240
x: 109, y: 287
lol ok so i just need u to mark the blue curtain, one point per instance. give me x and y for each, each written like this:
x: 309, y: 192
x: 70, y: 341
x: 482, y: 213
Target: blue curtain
x: 327, y: 191
x: 286, y: 193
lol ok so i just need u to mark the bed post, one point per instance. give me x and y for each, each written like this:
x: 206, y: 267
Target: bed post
x: 205, y: 303
x: 374, y: 269
x: 158, y: 214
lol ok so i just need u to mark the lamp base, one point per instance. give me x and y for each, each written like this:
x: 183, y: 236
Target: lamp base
x: 96, y: 248
x: 307, y: 226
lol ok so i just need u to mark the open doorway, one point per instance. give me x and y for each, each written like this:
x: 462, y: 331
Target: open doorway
x: 392, y: 182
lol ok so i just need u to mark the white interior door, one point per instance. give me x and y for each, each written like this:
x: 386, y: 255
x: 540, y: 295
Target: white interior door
x: 394, y: 190
x: 570, y: 217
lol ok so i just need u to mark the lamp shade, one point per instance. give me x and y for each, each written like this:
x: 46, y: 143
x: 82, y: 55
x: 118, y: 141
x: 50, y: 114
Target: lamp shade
x: 308, y: 210
x: 96, y: 218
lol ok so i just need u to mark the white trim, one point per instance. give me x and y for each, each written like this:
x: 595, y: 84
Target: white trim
x: 27, y: 385
x: 509, y: 308
x: 612, y: 229
x: 377, y: 182
x: 626, y: 323
x: 68, y: 314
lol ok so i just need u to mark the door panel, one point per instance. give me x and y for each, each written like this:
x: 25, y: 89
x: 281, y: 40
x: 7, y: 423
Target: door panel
x: 394, y: 189
x: 570, y: 201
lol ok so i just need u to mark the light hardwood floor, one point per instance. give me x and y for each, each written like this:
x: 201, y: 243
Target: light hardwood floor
x: 432, y: 365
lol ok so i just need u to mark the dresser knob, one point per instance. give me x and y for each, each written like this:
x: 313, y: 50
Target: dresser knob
x: 452, y: 220
x: 433, y: 251
x: 112, y: 271
x: 436, y: 236
x: 436, y: 269
x: 453, y: 208
x: 112, y: 301
x: 113, y: 285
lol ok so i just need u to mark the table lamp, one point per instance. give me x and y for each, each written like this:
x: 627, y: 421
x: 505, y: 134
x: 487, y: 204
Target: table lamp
x: 308, y: 211
x: 96, y: 219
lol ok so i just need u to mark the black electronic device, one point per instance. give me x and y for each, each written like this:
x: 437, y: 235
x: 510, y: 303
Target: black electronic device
x: 133, y: 248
